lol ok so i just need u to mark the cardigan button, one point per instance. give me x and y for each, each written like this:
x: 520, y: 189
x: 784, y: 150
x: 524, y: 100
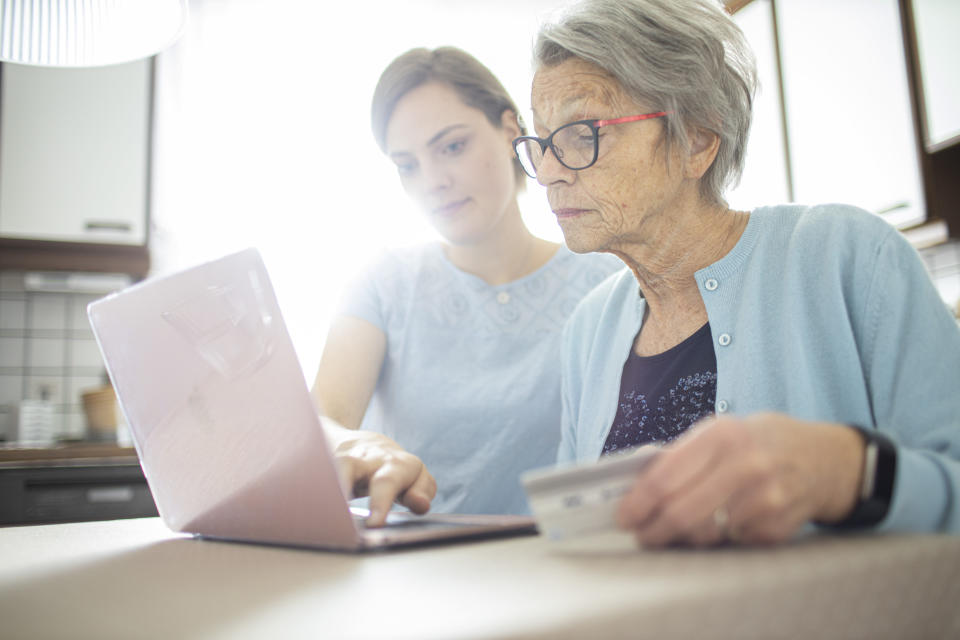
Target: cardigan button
x: 711, y: 284
x: 724, y: 339
x: 722, y: 406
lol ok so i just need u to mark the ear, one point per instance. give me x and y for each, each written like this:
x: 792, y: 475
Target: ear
x: 704, y: 145
x: 508, y: 121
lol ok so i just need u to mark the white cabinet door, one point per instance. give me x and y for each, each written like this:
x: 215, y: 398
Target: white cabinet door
x: 849, y: 120
x: 937, y: 24
x: 74, y: 153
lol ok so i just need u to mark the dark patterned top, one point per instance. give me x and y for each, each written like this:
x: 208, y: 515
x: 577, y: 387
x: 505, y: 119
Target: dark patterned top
x: 662, y: 395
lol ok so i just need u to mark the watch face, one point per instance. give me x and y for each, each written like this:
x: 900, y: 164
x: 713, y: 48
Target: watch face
x: 869, y: 481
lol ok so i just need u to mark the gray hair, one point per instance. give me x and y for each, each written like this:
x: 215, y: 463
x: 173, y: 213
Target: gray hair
x: 687, y: 57
x: 473, y: 82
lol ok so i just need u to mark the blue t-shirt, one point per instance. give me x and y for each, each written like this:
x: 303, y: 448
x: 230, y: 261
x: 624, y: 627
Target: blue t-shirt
x: 471, y: 378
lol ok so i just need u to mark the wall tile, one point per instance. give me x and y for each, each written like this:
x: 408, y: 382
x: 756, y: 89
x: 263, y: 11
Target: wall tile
x: 11, y: 389
x: 48, y: 312
x: 75, y: 425
x: 46, y: 343
x: 85, y: 354
x: 54, y: 385
x: 8, y: 416
x: 13, y: 313
x: 78, y: 313
x: 11, y: 353
x: 45, y: 352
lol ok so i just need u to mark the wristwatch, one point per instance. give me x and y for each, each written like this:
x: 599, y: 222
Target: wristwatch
x: 876, y: 487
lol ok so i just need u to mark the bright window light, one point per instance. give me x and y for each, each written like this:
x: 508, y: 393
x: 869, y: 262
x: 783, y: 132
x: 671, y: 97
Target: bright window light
x: 263, y: 137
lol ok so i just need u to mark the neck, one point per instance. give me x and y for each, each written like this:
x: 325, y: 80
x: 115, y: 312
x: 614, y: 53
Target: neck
x: 509, y: 252
x: 688, y: 240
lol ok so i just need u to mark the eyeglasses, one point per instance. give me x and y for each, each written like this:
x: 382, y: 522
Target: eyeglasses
x: 574, y: 145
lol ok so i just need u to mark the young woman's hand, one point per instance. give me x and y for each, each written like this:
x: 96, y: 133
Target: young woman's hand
x: 373, y: 464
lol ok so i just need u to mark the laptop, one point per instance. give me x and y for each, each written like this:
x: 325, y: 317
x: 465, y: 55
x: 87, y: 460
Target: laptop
x: 228, y: 435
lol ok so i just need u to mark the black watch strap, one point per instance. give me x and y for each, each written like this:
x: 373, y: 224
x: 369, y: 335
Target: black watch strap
x: 876, y: 487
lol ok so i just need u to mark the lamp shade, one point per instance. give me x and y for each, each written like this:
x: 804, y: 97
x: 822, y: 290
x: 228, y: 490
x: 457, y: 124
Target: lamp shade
x: 87, y: 33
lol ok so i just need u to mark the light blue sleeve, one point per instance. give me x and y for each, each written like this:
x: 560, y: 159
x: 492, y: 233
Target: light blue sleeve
x: 912, y: 366
x: 362, y: 298
x: 602, y: 324
x: 569, y: 380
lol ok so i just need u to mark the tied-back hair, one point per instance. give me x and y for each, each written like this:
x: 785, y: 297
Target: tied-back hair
x: 474, y: 83
x: 687, y: 57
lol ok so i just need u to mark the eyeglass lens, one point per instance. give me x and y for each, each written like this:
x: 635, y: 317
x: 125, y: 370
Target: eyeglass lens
x: 572, y: 144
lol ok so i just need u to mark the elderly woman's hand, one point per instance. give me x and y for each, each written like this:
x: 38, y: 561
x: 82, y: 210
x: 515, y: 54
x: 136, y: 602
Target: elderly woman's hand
x: 748, y: 480
x: 373, y: 464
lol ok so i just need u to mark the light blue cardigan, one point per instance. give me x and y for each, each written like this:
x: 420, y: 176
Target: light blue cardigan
x: 828, y: 315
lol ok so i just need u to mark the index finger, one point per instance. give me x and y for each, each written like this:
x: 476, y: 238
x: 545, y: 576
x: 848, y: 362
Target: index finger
x: 391, y: 481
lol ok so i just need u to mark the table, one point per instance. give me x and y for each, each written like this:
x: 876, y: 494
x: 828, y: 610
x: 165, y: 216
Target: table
x: 134, y: 578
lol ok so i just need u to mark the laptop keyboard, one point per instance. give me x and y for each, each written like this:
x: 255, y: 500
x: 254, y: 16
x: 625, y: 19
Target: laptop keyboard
x: 403, y: 520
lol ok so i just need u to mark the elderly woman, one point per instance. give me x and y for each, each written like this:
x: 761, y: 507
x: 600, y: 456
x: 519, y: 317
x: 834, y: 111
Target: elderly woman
x: 795, y: 361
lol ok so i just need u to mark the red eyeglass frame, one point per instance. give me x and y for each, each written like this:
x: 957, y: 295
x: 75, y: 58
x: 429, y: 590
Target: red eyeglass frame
x: 594, y: 125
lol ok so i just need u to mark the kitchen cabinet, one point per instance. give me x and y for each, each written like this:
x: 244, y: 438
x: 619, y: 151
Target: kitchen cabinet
x: 935, y: 23
x: 848, y: 111
x: 74, y: 153
x: 72, y: 484
x: 765, y: 178
x: 847, y: 121
x: 75, y: 149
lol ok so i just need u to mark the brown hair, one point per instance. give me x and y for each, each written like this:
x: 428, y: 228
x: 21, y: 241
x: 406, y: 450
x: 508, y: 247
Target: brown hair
x: 476, y: 86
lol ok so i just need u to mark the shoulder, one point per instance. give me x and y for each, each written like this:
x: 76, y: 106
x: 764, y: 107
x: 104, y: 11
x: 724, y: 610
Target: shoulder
x: 831, y: 224
x: 397, y: 265
x: 824, y: 234
x: 833, y: 247
x: 391, y: 277
x: 407, y: 257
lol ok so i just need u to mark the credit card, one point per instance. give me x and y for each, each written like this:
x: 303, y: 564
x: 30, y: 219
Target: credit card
x: 579, y: 502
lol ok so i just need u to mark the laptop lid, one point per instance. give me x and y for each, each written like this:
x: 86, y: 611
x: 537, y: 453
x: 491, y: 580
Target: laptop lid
x: 227, y: 433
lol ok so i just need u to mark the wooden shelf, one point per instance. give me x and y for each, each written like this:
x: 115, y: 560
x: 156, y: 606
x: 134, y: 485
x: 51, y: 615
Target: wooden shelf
x: 79, y: 451
x: 43, y: 255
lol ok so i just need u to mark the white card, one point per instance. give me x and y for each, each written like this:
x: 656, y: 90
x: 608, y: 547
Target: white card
x: 579, y: 502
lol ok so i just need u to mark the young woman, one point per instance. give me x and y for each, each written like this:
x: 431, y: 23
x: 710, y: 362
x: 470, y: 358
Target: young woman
x: 451, y: 349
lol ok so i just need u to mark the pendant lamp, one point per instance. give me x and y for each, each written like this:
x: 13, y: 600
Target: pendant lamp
x: 87, y: 33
